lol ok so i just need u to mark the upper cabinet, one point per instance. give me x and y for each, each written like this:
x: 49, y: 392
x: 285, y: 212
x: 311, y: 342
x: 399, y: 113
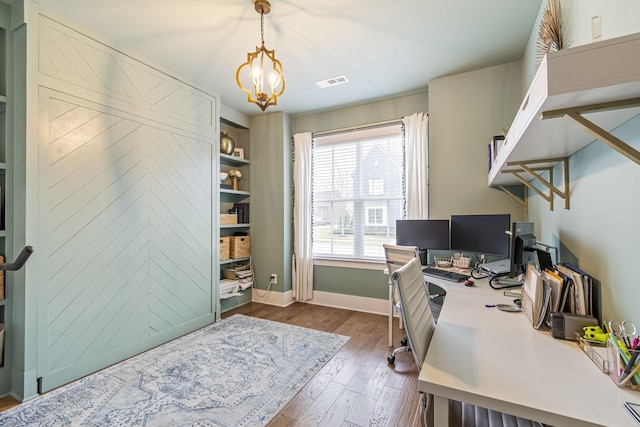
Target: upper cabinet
x: 577, y: 95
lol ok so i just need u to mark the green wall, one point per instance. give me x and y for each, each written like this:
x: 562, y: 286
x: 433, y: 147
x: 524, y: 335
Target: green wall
x: 465, y: 111
x: 271, y: 220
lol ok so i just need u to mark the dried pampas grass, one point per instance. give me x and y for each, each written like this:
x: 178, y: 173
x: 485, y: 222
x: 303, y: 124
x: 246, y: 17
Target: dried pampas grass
x: 550, y: 33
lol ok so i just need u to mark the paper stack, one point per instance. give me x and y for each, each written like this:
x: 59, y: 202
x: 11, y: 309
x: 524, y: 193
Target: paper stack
x: 245, y: 278
x: 229, y: 288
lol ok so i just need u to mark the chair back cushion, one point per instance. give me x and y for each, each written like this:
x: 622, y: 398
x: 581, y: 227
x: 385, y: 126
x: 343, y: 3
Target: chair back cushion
x: 415, y: 310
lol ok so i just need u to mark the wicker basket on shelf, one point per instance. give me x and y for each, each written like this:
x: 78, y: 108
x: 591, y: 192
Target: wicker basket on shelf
x: 240, y: 247
x: 225, y: 245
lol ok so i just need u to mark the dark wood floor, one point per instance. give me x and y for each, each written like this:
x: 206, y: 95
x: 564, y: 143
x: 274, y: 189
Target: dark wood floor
x: 357, y: 387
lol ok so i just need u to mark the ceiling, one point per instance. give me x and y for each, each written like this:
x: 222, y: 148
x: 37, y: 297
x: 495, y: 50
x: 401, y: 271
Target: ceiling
x: 385, y: 48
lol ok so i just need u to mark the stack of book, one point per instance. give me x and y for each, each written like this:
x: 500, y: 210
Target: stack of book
x: 494, y: 148
x: 242, y: 209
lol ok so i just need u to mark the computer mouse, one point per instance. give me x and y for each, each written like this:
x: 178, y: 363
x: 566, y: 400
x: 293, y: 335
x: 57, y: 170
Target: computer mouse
x: 468, y: 282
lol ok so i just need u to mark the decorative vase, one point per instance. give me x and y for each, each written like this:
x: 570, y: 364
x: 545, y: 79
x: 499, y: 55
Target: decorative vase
x: 227, y: 145
x: 234, y: 183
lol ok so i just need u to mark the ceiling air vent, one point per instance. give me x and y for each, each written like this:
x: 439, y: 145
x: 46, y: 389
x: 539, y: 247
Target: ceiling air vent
x: 333, y: 81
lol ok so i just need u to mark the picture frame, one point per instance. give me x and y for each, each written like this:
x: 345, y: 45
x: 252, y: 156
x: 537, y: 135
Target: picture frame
x: 238, y: 152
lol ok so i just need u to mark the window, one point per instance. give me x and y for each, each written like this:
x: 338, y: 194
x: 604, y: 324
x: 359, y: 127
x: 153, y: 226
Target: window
x: 376, y: 187
x: 358, y: 191
x: 376, y: 215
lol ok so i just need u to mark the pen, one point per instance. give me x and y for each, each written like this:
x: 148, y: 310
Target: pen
x: 631, y: 374
x: 623, y: 348
x: 630, y: 364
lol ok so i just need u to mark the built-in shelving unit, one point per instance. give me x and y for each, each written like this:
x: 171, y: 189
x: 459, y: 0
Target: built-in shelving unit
x: 229, y: 197
x: 577, y: 95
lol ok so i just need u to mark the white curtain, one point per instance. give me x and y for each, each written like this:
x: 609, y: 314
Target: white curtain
x: 417, y: 165
x: 302, y: 262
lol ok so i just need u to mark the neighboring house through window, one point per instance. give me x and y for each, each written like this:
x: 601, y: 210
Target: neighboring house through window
x: 358, y: 191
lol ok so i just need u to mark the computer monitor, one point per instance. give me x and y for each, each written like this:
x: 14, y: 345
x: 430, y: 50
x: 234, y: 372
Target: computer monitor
x: 523, y: 244
x: 423, y: 233
x: 481, y: 234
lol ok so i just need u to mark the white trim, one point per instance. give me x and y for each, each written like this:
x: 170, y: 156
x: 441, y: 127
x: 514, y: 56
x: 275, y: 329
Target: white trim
x: 326, y: 299
x: 351, y: 302
x: 279, y: 299
x: 350, y: 263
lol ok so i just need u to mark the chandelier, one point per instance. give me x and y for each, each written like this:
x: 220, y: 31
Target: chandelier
x: 265, y: 70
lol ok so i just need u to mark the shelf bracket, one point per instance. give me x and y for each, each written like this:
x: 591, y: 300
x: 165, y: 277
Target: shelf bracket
x: 525, y: 167
x: 523, y: 201
x: 595, y: 130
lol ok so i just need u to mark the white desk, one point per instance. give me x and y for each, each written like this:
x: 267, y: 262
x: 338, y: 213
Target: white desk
x: 495, y: 359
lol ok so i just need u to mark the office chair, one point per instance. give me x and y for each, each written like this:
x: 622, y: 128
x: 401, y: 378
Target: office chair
x: 396, y: 257
x: 420, y: 326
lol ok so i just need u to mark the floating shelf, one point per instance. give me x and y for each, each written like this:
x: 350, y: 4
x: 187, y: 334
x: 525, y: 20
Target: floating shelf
x: 577, y: 95
x: 234, y: 226
x: 228, y: 160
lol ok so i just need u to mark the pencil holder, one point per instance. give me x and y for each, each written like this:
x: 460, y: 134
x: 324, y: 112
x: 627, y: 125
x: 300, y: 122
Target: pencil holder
x: 623, y: 365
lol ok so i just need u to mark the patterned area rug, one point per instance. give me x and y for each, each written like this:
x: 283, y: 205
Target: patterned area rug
x: 237, y: 372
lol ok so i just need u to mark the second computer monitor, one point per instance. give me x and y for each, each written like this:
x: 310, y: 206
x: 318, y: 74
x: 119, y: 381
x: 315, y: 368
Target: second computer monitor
x: 481, y: 234
x: 523, y: 243
x: 423, y: 233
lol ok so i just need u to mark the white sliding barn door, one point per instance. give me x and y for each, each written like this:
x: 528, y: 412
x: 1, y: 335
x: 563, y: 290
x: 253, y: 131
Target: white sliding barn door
x: 125, y: 207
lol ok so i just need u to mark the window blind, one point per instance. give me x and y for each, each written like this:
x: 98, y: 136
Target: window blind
x: 358, y: 191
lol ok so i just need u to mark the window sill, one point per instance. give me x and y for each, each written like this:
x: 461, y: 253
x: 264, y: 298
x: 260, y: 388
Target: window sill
x: 350, y: 263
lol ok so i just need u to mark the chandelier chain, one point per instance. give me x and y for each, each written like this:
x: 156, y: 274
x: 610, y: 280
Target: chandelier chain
x: 262, y: 27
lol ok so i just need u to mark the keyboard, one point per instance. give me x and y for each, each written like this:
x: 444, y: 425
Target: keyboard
x: 451, y: 276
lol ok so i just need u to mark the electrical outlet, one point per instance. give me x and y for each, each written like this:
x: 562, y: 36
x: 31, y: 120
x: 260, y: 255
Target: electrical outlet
x: 274, y: 278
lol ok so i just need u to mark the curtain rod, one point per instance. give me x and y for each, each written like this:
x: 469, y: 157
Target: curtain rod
x: 357, y: 127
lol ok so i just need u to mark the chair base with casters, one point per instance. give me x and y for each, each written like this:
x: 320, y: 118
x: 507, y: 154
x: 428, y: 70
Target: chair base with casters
x: 420, y: 326
x: 404, y: 342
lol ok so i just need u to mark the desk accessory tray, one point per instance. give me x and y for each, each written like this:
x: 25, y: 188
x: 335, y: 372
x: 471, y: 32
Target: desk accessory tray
x: 596, y: 352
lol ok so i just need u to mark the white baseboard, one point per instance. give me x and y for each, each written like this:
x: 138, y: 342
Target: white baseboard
x: 351, y: 302
x: 327, y: 299
x: 279, y: 299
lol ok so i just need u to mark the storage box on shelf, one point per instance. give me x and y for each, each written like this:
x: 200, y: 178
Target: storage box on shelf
x: 240, y: 247
x: 225, y: 242
x: 228, y: 219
